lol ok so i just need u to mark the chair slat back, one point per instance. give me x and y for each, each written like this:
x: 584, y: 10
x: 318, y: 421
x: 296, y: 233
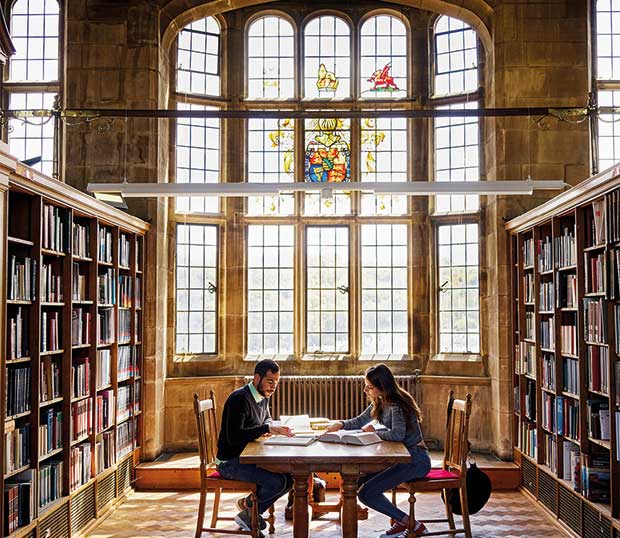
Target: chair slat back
x: 456, y: 446
x: 206, y: 424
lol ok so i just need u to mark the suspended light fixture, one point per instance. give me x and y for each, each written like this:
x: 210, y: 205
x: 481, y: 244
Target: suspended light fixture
x: 410, y: 188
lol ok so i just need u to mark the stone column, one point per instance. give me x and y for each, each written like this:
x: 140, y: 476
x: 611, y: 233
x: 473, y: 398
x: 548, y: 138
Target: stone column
x: 113, y: 60
x: 540, y: 59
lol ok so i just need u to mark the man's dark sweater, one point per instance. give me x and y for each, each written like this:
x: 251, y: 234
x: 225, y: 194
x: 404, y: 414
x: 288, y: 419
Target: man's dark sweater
x: 243, y: 420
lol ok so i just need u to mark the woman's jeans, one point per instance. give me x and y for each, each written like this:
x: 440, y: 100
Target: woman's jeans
x: 269, y: 486
x: 372, y: 486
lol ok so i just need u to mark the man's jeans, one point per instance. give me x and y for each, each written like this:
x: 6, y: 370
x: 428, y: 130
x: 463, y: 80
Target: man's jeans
x: 372, y: 486
x: 269, y: 486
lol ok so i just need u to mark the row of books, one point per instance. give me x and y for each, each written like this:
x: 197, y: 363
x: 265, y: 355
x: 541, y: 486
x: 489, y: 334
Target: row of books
x: 528, y: 253
x: 104, y: 368
x: 548, y: 371
x: 51, y: 284
x: 595, y: 270
x: 528, y: 287
x: 547, y: 333
x: 568, y: 339
x: 104, y: 245
x: 567, y: 413
x: 548, y: 412
x: 105, y: 320
x: 596, y: 233
x: 125, y: 290
x: 125, y: 435
x: 124, y: 403
x: 18, y: 501
x: 17, y: 336
x: 124, y: 249
x: 128, y: 362
x: 530, y: 399
x: 597, y: 419
x: 571, y: 464
x: 551, y: 454
x: 50, y: 379
x: 16, y: 447
x: 565, y: 248
x: 50, y: 331
x: 80, y: 465
x: 106, y: 281
x: 595, y: 477
x: 79, y: 284
x: 570, y: 372
x: 22, y: 279
x: 528, y: 438
x: 81, y: 419
x: 567, y: 290
x: 544, y: 254
x: 598, y: 368
x: 18, y: 390
x: 105, y: 451
x: 105, y: 410
x: 50, y: 431
x: 124, y: 326
x: 525, y: 363
x: 54, y: 226
x: 546, y: 297
x: 50, y: 482
x: 595, y: 320
x: 80, y: 378
x: 80, y: 326
x: 81, y: 240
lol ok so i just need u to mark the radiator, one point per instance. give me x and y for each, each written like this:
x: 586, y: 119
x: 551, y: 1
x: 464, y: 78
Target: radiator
x: 332, y: 397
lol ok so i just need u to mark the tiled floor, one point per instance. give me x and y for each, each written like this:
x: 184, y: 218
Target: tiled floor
x: 173, y: 515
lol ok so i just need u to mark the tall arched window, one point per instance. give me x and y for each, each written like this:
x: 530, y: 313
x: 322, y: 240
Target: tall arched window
x: 314, y: 275
x: 33, y: 80
x: 457, y: 158
x: 197, y: 158
x: 607, y: 75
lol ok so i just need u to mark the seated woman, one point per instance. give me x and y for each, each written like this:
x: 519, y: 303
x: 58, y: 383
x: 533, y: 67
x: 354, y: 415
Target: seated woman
x: 395, y: 409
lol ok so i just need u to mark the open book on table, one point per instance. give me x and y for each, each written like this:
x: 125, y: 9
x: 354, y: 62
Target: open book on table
x: 351, y: 437
x: 297, y: 440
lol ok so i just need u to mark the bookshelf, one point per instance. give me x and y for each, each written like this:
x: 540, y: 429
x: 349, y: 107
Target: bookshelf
x: 565, y: 278
x: 72, y: 408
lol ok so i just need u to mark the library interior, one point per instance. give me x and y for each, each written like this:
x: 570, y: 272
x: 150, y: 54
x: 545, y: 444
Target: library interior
x: 209, y: 281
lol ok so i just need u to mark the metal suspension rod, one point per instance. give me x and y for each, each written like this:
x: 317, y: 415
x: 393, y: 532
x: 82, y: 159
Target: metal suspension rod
x: 559, y: 112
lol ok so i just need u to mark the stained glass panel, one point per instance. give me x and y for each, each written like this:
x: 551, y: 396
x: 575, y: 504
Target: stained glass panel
x: 327, y: 63
x: 327, y: 160
x: 271, y: 59
x: 383, y: 58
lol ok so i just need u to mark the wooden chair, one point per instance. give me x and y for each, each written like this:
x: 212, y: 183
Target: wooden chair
x: 210, y: 479
x: 453, y: 472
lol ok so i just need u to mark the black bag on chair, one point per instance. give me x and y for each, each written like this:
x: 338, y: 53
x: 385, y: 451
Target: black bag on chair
x: 479, y: 488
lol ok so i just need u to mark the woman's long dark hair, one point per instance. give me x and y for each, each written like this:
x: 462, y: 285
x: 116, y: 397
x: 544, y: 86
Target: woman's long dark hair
x: 382, y: 378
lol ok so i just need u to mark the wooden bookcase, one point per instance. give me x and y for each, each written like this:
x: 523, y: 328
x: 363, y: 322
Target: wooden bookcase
x: 565, y: 261
x: 72, y: 363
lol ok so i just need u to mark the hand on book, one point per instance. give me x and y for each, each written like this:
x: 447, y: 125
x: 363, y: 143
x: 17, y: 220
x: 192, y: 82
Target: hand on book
x: 280, y: 430
x: 369, y: 428
x: 334, y: 426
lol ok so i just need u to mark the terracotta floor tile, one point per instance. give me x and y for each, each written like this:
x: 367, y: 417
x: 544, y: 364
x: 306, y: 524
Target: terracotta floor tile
x: 173, y: 515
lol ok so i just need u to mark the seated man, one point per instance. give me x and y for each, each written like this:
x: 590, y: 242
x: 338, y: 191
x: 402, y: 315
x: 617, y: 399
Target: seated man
x: 246, y: 417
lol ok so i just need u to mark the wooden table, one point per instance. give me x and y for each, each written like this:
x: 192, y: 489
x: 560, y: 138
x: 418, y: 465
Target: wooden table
x: 351, y: 461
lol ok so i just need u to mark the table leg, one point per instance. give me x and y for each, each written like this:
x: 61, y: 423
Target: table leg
x: 349, y: 505
x: 300, y: 507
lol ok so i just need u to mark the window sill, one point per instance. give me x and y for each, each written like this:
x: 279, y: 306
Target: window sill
x: 456, y: 364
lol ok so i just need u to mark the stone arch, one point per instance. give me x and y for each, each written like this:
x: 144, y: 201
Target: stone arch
x: 175, y: 14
